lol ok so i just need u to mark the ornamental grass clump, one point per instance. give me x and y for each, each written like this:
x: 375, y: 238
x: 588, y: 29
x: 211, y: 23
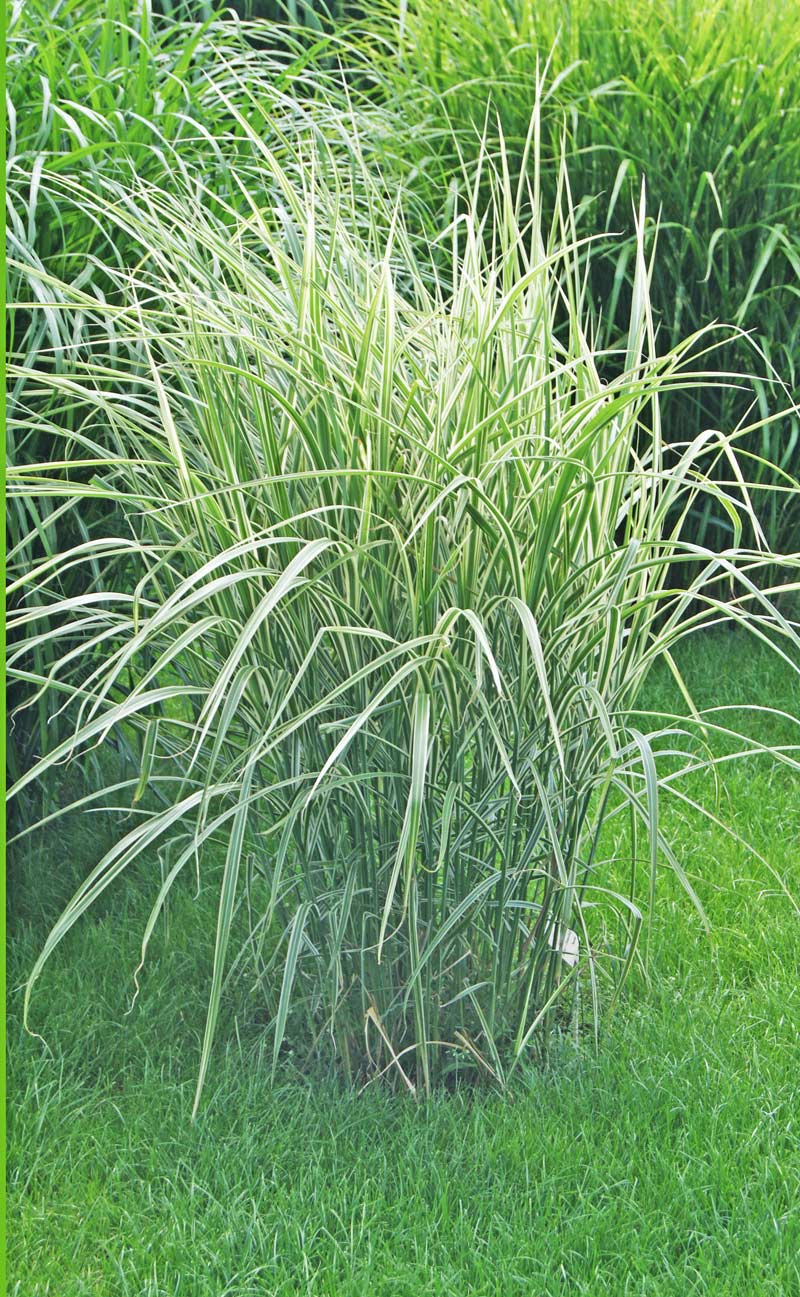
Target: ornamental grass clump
x: 395, y: 565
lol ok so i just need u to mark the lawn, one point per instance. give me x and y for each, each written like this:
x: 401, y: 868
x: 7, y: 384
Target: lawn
x: 669, y: 1163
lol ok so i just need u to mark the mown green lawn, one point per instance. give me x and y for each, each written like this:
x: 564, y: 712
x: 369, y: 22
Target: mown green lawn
x: 668, y: 1164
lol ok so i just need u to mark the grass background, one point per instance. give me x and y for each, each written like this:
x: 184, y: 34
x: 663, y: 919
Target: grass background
x: 669, y: 1164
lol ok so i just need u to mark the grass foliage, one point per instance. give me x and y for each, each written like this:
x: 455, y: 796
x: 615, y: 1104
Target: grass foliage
x: 702, y: 100
x: 345, y: 532
x: 397, y: 566
x: 114, y: 96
